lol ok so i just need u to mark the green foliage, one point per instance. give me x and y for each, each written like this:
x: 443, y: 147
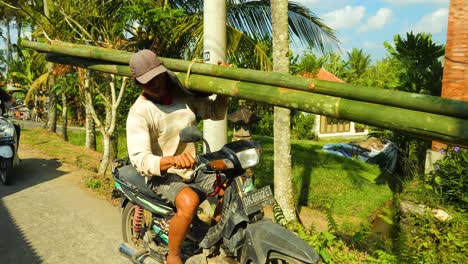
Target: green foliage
x: 421, y: 72
x: 278, y: 215
x: 309, y: 62
x: 150, y: 23
x: 449, y: 179
x: 359, y: 62
x: 303, y: 126
x: 423, y: 238
x: 93, y: 183
x: 332, y: 224
x: 264, y: 126
x: 426, y: 240
x: 419, y: 57
x: 383, y: 74
x: 336, y: 65
x: 332, y: 249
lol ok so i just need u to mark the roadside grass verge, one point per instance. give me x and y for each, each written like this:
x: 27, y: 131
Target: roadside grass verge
x: 53, y: 145
x: 345, y: 186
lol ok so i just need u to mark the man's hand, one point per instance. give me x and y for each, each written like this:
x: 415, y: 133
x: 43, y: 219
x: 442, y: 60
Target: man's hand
x: 221, y: 63
x: 183, y: 161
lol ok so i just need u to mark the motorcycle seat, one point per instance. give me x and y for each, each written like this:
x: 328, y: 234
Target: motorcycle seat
x: 129, y: 175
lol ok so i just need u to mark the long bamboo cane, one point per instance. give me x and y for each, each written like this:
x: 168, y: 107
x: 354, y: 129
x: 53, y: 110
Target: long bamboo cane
x: 427, y: 125
x: 419, y: 102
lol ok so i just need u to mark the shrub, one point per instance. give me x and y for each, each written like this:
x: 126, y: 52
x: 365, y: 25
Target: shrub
x: 303, y: 126
x: 449, y: 179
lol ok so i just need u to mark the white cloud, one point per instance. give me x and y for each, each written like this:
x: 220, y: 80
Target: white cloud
x: 320, y: 6
x: 412, y: 2
x: 307, y: 2
x: 435, y: 22
x: 346, y: 17
x: 381, y: 18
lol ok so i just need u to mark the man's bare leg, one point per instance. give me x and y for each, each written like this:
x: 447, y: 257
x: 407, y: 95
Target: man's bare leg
x: 186, y: 202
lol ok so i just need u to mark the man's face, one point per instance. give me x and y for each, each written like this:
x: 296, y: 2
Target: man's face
x: 157, y: 87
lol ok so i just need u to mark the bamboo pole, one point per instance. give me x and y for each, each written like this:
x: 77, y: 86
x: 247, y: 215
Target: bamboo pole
x: 419, y: 102
x: 427, y: 125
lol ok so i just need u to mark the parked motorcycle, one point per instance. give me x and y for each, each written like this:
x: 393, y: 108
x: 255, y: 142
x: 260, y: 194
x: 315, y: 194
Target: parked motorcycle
x: 242, y: 235
x: 8, y: 147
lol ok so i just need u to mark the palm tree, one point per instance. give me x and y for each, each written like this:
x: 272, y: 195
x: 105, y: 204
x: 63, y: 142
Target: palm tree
x: 358, y: 62
x: 282, y: 132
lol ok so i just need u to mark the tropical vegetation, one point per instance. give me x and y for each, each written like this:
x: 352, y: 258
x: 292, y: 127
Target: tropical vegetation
x: 174, y: 29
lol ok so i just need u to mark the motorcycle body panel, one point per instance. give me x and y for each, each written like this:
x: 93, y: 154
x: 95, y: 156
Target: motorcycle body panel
x: 264, y: 236
x: 133, y: 186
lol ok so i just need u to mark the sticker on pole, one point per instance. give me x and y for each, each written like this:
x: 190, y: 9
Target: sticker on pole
x: 206, y: 56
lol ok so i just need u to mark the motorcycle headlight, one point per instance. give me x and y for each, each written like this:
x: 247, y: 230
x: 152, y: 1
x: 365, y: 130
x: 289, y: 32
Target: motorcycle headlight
x: 248, y: 158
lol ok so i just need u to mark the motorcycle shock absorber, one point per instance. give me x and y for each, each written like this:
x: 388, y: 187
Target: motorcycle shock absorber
x: 137, y: 219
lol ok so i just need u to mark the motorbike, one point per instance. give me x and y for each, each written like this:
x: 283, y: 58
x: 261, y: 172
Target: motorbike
x: 242, y: 235
x: 8, y: 147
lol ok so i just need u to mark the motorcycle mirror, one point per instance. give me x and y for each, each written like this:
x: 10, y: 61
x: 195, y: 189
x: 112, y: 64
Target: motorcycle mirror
x: 190, y: 134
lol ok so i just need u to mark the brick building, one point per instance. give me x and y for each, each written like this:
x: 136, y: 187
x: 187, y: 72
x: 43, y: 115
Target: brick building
x: 455, y: 79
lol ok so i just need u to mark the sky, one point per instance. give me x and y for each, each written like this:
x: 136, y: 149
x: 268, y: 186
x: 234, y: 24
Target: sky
x: 367, y: 24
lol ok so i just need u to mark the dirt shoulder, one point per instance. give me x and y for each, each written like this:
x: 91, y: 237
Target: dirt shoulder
x: 46, y: 216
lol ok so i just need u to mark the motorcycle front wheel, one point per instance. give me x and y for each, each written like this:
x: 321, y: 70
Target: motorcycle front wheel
x: 278, y: 258
x: 5, y: 171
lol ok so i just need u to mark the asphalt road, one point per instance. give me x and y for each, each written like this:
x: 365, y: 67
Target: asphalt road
x: 47, y: 217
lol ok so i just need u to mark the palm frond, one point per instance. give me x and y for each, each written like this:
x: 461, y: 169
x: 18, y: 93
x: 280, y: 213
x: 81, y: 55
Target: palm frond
x: 278, y: 215
x: 38, y: 83
x: 254, y: 18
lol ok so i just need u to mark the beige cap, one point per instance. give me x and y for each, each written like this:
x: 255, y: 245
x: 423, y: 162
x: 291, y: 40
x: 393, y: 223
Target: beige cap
x: 145, y: 65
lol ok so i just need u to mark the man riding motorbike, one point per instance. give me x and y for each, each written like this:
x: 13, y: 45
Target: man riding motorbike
x: 153, y: 124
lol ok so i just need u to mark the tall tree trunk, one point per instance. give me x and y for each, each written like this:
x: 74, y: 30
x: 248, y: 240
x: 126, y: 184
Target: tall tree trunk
x: 52, y: 111
x: 88, y: 102
x: 114, y: 146
x: 64, y: 117
x: 105, y: 154
x: 19, y: 25
x: 9, y: 56
x: 90, y: 131
x: 282, y: 121
x: 52, y: 107
x: 107, y: 129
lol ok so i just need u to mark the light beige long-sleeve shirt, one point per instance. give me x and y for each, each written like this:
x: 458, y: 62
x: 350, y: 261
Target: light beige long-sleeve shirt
x: 153, y: 130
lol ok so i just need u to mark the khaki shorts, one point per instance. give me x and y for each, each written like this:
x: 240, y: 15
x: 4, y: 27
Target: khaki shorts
x: 169, y: 185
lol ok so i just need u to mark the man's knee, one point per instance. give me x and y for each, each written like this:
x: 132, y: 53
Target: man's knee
x: 187, y: 202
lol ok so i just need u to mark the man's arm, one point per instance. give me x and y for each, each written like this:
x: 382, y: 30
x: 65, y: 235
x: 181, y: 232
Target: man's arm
x: 140, y: 152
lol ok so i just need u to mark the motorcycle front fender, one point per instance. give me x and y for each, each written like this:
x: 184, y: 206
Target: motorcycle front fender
x: 264, y: 236
x: 6, y: 151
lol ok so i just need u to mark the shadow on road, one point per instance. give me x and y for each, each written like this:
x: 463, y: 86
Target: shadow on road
x: 14, y: 246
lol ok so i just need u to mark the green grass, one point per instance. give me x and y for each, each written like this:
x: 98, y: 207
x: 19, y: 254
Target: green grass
x: 78, y: 138
x: 322, y: 179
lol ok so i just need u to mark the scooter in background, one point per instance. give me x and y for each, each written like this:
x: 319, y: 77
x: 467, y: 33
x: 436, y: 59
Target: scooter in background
x: 9, y: 139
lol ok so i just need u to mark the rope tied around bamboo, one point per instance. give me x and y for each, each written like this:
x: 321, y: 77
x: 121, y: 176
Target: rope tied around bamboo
x: 186, y: 81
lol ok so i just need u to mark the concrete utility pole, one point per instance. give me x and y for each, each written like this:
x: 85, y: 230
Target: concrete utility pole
x: 214, y: 49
